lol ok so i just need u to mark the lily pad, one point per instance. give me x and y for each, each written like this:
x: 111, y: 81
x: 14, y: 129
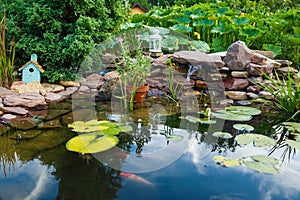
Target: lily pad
x: 293, y: 144
x: 192, y: 119
x: 266, y: 159
x: 91, y: 143
x: 262, y: 167
x: 257, y: 139
x: 223, y: 135
x: 92, y: 126
x: 243, y: 127
x: 243, y: 110
x: 231, y: 116
x: 226, y: 162
x: 207, y: 121
x: 292, y: 126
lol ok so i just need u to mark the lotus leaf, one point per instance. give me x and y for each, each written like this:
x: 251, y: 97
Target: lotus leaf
x: 266, y: 159
x: 231, y: 116
x: 241, y: 21
x: 243, y: 110
x: 204, y: 22
x: 226, y: 162
x: 91, y: 143
x: 257, y: 139
x: 242, y: 127
x: 182, y: 28
x: 263, y: 167
x: 223, y: 135
x: 293, y: 144
x: 183, y: 19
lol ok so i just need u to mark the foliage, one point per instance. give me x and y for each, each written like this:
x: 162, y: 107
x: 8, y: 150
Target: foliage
x: 220, y: 24
x: 54, y: 75
x: 7, y: 56
x: 286, y: 92
x: 61, y: 32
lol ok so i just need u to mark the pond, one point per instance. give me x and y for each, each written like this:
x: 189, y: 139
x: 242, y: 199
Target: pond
x: 165, y: 156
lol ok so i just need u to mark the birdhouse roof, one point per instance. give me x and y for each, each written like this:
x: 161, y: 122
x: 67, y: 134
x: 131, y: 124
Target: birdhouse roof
x: 40, y: 68
x: 139, y: 6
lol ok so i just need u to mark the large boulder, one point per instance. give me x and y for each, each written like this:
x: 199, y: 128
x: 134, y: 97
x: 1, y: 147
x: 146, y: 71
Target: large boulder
x: 53, y: 87
x: 14, y: 110
x: 28, y: 100
x: 238, y: 56
x: 32, y: 87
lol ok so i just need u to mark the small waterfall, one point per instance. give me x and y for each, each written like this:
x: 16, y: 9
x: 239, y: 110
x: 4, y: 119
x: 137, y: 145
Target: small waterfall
x: 192, y: 69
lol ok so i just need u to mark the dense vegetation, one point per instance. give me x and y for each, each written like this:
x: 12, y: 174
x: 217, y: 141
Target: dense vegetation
x: 60, y: 32
x: 220, y: 25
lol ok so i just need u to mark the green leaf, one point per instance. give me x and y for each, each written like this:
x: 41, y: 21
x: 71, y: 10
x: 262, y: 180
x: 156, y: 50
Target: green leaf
x: 182, y: 28
x: 222, y: 10
x: 250, y: 32
x: 241, y: 21
x: 91, y: 143
x: 242, y: 127
x: 218, y: 28
x: 243, y: 110
x: 275, y: 49
x: 295, y: 39
x: 231, y: 116
x: 198, y: 45
x: 183, y: 19
x: 204, y: 22
x: 262, y: 167
x: 257, y: 139
x: 207, y: 121
x: 265, y: 159
x: 223, y: 135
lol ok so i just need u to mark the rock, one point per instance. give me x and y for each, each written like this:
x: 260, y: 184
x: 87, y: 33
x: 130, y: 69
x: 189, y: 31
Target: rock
x: 32, y: 87
x: 4, y: 92
x: 224, y: 76
x: 84, y: 89
x: 236, y: 95
x: 197, y: 58
x: 155, y: 92
x: 243, y: 102
x: 1, y: 104
x: 235, y: 84
x: 27, y: 100
x: 108, y: 58
x: 252, y: 95
x: 268, y: 54
x: 154, y: 83
x: 53, y: 97
x: 238, y: 56
x: 68, y: 92
x: 258, y: 59
x: 1, y: 113
x: 255, y: 69
x: 22, y: 123
x: 285, y: 70
x: 111, y: 75
x: 284, y: 63
x: 55, y: 113
x: 53, y: 87
x: 105, y: 91
x: 69, y: 83
x: 214, y: 77
x: 201, y: 84
x: 94, y: 77
x: 8, y: 117
x: 239, y: 74
x: 221, y: 54
x: 50, y: 124
x: 161, y: 61
x: 14, y: 110
x: 4, y: 129
x: 156, y: 71
x: 253, y: 89
x: 256, y: 79
x: 265, y: 94
x: 96, y: 84
x: 226, y: 102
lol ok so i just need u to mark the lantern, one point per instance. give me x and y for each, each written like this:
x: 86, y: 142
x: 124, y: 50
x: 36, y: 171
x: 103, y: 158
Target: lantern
x: 155, y: 42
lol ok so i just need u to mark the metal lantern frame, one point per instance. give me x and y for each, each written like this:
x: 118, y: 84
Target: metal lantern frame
x: 155, y: 42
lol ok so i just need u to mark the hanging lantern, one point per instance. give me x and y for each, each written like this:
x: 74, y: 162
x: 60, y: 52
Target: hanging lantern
x: 155, y: 42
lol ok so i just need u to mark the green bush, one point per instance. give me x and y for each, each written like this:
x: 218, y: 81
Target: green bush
x: 60, y: 32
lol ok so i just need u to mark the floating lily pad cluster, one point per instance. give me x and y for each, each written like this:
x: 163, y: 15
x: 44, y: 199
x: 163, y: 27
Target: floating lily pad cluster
x: 259, y: 163
x: 237, y: 113
x: 98, y: 136
x: 257, y: 140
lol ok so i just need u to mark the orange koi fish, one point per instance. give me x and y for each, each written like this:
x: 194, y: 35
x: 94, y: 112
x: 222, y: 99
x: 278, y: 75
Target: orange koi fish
x: 135, y: 177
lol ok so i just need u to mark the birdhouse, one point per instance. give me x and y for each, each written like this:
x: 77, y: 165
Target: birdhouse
x: 31, y: 71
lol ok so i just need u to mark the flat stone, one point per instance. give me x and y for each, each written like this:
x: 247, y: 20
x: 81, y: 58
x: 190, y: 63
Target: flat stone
x: 243, y: 102
x: 236, y: 95
x: 201, y: 84
x: 32, y: 87
x: 68, y: 92
x: 111, y: 75
x: 197, y: 58
x: 26, y: 135
x: 161, y: 61
x: 52, y: 114
x: 27, y: 100
x: 53, y: 87
x: 50, y: 124
x: 22, y: 123
x: 221, y: 54
x: 84, y: 89
x: 253, y: 89
x: 238, y: 56
x: 1, y: 113
x: 154, y: 83
x: 108, y: 58
x: 284, y: 63
x: 53, y: 97
x: 94, y: 77
x: 4, y: 92
x: 268, y: 54
x: 96, y: 84
x: 265, y: 94
x: 14, y: 110
x: 285, y: 70
x: 258, y: 59
x: 239, y: 74
x: 255, y: 69
x: 235, y: 83
x: 8, y: 117
x: 255, y: 79
x: 69, y: 83
x: 214, y: 77
x: 1, y: 104
x: 252, y: 95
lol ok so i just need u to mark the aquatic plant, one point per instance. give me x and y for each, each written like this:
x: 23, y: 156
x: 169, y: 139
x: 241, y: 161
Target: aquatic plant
x: 237, y: 113
x: 7, y: 56
x: 257, y: 140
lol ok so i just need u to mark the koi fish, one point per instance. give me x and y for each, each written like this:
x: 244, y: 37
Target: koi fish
x: 135, y: 177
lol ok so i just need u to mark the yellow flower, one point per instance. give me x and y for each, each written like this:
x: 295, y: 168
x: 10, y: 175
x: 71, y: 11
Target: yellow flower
x: 176, y: 44
x: 196, y: 34
x: 242, y: 14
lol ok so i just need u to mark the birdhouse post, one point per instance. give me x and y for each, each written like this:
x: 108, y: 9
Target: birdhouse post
x: 31, y: 71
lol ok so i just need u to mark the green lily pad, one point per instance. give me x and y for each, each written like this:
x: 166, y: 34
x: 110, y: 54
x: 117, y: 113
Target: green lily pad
x: 257, y: 139
x: 207, y: 121
x: 226, y: 162
x: 262, y: 167
x: 231, y: 116
x: 91, y: 143
x: 243, y: 110
x: 223, y: 135
x: 293, y: 144
x: 242, y: 127
x: 125, y: 128
x: 192, y: 119
x: 92, y: 126
x: 266, y: 159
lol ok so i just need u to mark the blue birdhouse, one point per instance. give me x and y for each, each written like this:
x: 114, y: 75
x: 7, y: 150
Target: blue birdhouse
x: 31, y: 71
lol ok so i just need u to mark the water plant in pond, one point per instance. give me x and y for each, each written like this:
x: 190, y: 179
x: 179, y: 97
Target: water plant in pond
x: 257, y: 139
x: 223, y: 135
x: 237, y: 113
x: 226, y: 162
x: 243, y: 128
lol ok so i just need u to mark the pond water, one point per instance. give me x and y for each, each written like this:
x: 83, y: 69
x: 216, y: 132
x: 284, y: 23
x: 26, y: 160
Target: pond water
x: 146, y: 163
